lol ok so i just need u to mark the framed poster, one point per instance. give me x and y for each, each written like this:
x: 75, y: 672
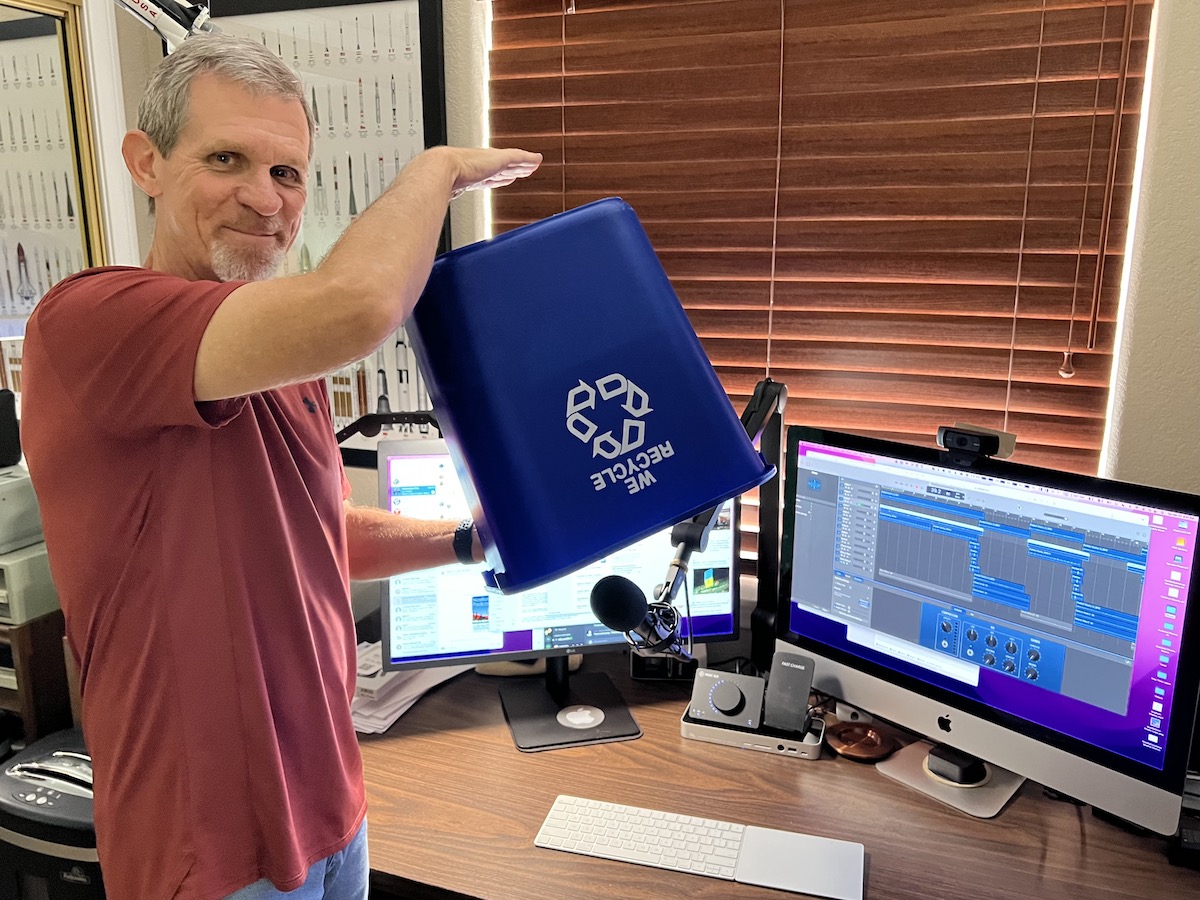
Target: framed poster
x: 49, y: 227
x: 374, y: 76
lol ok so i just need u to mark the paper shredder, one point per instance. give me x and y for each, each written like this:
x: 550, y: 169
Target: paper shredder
x: 47, y: 836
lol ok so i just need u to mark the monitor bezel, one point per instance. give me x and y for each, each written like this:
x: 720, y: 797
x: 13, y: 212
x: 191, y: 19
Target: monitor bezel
x: 431, y: 446
x: 893, y: 683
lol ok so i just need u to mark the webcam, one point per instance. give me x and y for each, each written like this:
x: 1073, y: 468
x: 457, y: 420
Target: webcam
x: 974, y: 443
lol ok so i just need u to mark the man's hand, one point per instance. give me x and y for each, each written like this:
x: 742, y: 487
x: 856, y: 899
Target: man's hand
x: 481, y: 169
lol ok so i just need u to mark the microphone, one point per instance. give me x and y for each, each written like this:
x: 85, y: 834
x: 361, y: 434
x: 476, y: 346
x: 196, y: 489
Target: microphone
x: 652, y: 629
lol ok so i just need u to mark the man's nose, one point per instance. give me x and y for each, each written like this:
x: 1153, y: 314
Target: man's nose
x: 259, y: 191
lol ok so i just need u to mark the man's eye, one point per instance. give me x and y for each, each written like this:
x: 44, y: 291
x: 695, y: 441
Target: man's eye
x: 285, y: 173
x: 223, y: 158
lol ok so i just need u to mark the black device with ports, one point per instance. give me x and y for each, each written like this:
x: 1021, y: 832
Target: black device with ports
x: 1183, y: 849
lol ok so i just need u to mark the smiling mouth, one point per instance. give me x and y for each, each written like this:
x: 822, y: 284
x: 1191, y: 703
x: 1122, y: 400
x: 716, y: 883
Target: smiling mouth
x: 254, y: 225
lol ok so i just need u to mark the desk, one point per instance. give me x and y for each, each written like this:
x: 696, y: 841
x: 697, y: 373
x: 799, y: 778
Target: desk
x: 454, y: 808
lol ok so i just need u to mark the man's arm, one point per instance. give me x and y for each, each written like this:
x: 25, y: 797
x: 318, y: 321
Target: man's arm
x: 382, y: 544
x: 282, y: 331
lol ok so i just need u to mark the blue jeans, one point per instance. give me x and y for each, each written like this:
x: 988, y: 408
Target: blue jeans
x: 342, y: 876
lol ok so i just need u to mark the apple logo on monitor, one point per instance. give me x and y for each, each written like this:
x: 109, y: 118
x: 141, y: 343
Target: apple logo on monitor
x: 580, y: 716
x: 944, y: 723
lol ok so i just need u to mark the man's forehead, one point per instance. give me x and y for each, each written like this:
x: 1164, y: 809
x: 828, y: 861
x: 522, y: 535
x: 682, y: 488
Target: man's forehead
x: 225, y: 115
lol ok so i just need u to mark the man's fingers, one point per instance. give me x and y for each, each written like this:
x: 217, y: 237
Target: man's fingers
x: 499, y: 180
x: 510, y: 172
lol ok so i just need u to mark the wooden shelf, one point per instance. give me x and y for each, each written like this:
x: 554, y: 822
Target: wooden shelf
x: 10, y: 700
x: 41, y: 698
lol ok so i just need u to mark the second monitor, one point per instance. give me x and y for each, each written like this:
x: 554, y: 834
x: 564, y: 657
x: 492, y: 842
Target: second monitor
x: 446, y: 616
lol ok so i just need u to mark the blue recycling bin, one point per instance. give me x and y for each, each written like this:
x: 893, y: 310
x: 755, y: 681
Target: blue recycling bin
x: 579, y: 407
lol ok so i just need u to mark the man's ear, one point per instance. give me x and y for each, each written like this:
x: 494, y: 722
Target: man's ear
x: 142, y: 159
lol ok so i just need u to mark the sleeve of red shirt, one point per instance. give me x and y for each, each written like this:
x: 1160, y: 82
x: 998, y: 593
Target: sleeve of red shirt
x: 123, y: 343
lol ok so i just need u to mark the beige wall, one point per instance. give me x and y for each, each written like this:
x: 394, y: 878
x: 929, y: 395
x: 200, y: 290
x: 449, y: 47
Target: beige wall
x: 465, y: 34
x: 1154, y: 418
x: 1154, y: 415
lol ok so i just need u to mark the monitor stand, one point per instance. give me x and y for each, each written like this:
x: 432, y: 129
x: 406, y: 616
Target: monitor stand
x: 562, y: 711
x: 909, y: 766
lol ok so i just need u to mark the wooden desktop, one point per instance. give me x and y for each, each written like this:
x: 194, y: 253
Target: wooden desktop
x: 454, y: 808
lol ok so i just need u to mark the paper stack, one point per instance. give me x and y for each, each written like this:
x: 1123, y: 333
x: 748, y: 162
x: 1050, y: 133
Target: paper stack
x: 380, y: 697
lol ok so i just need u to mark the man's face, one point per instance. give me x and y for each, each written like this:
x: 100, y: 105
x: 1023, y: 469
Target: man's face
x: 233, y: 189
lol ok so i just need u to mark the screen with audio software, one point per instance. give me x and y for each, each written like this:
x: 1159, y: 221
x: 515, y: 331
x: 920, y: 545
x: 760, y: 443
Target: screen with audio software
x: 1059, y: 607
x: 446, y: 615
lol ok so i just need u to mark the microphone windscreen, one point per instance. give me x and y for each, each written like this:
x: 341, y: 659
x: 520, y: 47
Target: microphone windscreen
x: 618, y: 603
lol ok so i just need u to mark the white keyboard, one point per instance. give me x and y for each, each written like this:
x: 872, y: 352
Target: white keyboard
x: 764, y: 856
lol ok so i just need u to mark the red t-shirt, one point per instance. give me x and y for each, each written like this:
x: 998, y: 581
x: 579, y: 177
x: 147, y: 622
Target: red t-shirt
x: 199, y: 553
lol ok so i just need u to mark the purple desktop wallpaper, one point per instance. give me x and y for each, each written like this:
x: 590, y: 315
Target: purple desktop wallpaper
x: 1141, y: 733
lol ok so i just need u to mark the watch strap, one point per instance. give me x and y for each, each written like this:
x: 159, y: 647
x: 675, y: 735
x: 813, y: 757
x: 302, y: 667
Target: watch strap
x: 464, y: 538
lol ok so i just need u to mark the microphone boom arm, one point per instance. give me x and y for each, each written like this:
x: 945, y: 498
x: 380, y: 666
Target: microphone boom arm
x: 691, y: 535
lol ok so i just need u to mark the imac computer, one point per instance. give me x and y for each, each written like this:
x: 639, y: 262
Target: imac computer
x: 446, y: 615
x: 1029, y: 623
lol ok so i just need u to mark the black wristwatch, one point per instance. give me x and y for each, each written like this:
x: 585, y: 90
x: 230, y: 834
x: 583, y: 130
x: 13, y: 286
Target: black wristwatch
x: 464, y: 536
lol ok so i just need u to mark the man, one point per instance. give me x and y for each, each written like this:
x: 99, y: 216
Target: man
x: 178, y: 434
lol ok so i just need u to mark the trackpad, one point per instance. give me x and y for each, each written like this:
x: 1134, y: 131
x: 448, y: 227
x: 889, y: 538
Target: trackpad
x: 802, y: 863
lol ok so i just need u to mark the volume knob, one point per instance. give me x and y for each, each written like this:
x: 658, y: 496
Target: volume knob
x: 726, y: 697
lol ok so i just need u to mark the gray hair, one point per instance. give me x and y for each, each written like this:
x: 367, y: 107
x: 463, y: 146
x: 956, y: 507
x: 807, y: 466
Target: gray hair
x: 163, y: 110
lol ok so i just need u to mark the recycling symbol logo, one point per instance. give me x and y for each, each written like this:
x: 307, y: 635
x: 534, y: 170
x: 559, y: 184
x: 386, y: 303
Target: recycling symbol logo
x: 582, y: 407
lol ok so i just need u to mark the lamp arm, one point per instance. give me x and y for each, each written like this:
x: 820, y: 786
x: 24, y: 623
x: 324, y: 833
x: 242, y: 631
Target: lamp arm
x: 173, y: 20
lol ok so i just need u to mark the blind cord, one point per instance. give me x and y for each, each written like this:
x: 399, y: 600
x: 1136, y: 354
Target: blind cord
x: 1067, y: 369
x: 1012, y: 346
x: 778, y: 169
x: 1110, y: 180
x: 568, y: 9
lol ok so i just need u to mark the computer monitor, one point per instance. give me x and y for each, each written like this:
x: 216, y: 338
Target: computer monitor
x: 447, y: 616
x: 1043, y: 622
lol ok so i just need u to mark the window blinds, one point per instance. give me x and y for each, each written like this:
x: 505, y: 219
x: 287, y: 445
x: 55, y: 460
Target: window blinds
x: 913, y: 214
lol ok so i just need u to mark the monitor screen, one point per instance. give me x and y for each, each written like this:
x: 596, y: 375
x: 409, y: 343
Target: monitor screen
x: 1031, y: 618
x: 447, y: 616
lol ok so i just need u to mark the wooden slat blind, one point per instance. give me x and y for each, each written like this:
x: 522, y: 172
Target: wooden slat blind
x: 896, y: 208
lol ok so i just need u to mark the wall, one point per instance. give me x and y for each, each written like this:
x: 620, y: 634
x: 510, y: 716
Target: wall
x: 1154, y: 422
x: 466, y: 37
